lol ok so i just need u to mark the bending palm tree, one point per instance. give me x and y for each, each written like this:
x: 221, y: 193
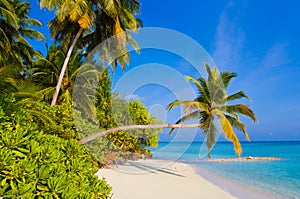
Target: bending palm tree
x: 212, y: 105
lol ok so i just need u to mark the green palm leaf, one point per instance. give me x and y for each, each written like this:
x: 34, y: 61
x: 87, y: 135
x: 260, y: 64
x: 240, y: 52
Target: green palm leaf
x: 226, y: 78
x: 15, y: 24
x: 32, y: 34
x: 201, y: 85
x: 238, y: 95
x: 111, y: 7
x: 188, y: 105
x: 33, y: 22
x: 228, y: 131
x: 237, y: 124
x: 241, y: 109
x: 10, y: 17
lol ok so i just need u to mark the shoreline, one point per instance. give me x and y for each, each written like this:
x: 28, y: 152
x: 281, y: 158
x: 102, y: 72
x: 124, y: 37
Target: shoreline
x: 159, y: 179
x: 237, y: 189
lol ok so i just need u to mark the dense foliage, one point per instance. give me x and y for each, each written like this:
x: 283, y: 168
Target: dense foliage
x: 39, y: 152
x: 15, y: 26
x: 133, y: 141
x: 39, y: 162
x: 112, y: 111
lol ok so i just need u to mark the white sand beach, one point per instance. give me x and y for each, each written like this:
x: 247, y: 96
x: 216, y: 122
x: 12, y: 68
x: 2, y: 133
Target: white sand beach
x: 157, y: 179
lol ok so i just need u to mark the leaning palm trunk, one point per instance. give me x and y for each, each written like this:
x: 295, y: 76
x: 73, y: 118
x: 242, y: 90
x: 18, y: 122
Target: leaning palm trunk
x: 64, y: 67
x: 124, y: 128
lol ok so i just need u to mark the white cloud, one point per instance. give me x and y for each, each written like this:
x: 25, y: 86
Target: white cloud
x: 229, y: 40
x: 277, y: 55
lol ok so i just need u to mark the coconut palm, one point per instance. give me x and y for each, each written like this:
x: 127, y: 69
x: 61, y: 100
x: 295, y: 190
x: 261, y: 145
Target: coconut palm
x: 211, y: 106
x: 45, y: 74
x: 80, y: 15
x: 15, y: 52
x: 214, y: 105
x: 15, y: 27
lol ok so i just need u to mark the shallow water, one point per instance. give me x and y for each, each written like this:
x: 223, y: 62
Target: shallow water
x: 278, y: 179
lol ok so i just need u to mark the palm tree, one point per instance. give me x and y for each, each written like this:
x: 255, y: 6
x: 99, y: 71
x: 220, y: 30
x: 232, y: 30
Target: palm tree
x: 214, y: 105
x: 80, y: 15
x: 15, y: 52
x: 15, y: 26
x: 211, y: 106
x: 45, y: 74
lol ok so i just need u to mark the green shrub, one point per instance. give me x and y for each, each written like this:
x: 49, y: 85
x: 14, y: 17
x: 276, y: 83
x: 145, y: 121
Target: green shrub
x: 137, y: 140
x: 35, y: 164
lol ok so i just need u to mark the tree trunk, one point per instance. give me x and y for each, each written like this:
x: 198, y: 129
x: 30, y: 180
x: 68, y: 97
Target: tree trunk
x: 151, y: 126
x: 64, y: 67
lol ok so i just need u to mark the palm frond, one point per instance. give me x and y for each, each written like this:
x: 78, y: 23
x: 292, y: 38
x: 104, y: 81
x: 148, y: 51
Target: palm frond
x: 188, y: 105
x: 10, y: 17
x: 228, y: 132
x: 191, y: 115
x: 33, y: 22
x: 241, y: 109
x: 208, y: 70
x: 237, y: 124
x: 202, y: 88
x: 128, y: 20
x: 135, y: 45
x: 77, y: 9
x: 226, y: 78
x: 32, y: 34
x: 7, y: 82
x: 6, y: 4
x: 111, y: 7
x: 6, y: 44
x: 211, y: 134
x: 238, y: 95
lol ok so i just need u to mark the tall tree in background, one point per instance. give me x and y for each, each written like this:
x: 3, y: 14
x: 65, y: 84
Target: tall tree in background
x: 47, y: 70
x: 73, y: 17
x: 15, y: 52
x: 15, y: 26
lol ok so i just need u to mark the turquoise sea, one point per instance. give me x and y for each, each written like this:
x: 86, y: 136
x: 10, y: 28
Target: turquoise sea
x: 249, y: 179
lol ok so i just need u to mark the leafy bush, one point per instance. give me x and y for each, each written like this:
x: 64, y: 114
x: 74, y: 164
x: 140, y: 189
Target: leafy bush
x: 35, y: 164
x: 53, y: 120
x: 137, y: 140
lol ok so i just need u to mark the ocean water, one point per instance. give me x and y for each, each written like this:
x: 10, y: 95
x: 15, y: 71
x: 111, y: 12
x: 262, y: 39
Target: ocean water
x: 248, y: 179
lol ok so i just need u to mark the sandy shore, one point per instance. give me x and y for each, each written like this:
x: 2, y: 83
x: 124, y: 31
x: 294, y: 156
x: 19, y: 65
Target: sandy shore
x: 157, y: 179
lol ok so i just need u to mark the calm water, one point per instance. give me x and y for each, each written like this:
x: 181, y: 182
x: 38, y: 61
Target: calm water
x: 280, y: 179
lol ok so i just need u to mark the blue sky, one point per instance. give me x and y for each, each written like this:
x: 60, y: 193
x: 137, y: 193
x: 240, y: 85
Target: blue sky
x: 259, y: 40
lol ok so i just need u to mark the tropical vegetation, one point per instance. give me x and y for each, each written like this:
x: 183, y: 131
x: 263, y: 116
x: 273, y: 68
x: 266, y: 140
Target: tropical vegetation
x: 213, y: 105
x: 213, y: 108
x: 41, y: 148
x: 40, y: 156
x: 92, y: 22
x: 41, y: 159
